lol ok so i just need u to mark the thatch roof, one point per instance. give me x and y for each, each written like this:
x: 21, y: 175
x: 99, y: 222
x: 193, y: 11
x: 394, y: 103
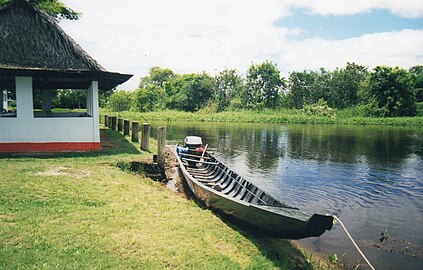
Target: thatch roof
x: 33, y: 44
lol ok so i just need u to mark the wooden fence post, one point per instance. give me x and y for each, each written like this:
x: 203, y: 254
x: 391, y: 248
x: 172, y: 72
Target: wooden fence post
x: 161, y: 145
x: 135, y: 131
x: 120, y: 124
x: 113, y: 122
x: 125, y: 127
x: 145, y: 137
x: 109, y: 122
x: 106, y: 120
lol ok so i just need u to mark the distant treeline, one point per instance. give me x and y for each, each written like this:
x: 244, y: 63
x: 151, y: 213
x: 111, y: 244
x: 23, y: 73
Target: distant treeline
x: 382, y: 92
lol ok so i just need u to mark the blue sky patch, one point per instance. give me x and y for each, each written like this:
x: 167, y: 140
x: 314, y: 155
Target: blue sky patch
x: 346, y: 26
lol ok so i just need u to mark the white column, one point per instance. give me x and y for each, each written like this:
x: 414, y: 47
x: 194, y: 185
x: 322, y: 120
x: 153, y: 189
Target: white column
x: 92, y: 96
x: 90, y: 101
x: 5, y: 99
x: 24, y: 100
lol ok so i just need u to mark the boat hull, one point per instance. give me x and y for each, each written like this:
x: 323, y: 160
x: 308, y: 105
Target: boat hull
x: 276, y: 220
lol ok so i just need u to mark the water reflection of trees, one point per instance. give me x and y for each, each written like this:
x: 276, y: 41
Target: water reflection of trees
x: 260, y: 145
x: 264, y: 145
x: 264, y: 152
x: 350, y: 144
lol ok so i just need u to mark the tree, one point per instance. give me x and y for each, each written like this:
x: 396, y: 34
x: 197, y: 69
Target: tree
x: 416, y: 73
x: 263, y: 85
x: 344, y: 85
x: 228, y: 85
x: 54, y: 8
x: 338, y: 88
x: 104, y: 97
x: 72, y: 99
x: 148, y: 99
x: 157, y: 76
x: 121, y: 101
x: 300, y: 85
x: 307, y: 87
x: 37, y: 98
x: 320, y: 108
x: 391, y: 89
x: 188, y: 92
x: 320, y: 88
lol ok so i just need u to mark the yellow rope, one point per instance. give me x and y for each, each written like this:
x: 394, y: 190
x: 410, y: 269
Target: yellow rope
x: 352, y: 240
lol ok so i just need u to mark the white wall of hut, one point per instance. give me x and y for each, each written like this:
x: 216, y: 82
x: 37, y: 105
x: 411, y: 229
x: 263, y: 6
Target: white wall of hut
x: 25, y: 128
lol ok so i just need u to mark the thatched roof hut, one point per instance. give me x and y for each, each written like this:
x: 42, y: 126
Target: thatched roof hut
x: 33, y: 44
x: 36, y: 56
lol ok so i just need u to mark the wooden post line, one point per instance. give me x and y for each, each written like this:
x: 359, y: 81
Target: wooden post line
x: 106, y: 120
x: 113, y: 122
x: 145, y: 137
x: 135, y: 131
x: 161, y: 145
x: 109, y: 122
x: 125, y: 127
x: 120, y: 125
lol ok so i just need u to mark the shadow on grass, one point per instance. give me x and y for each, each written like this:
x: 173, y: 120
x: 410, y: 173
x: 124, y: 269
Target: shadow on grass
x: 281, y: 252
x: 112, y: 143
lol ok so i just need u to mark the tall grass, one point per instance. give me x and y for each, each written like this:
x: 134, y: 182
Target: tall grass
x: 269, y: 116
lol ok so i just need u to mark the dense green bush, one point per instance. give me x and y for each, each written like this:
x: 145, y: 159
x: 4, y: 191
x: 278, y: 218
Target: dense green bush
x: 210, y: 107
x: 235, y: 104
x: 372, y: 110
x: 320, y: 108
x: 392, y: 91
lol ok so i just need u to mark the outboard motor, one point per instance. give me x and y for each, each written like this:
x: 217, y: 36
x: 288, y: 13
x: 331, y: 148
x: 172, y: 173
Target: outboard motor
x: 193, y: 142
x: 192, y: 145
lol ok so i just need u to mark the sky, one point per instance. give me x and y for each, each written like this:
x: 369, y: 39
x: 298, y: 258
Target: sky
x: 191, y: 36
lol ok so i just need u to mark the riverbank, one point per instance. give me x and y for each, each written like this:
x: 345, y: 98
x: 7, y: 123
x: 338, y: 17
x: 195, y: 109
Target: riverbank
x: 87, y: 210
x: 267, y: 116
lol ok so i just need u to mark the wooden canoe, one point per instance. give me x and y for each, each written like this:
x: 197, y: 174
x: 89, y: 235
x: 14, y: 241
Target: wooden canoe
x: 222, y: 189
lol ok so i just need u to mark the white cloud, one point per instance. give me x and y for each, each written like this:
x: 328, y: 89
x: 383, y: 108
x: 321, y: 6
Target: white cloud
x: 131, y: 36
x: 405, y: 8
x: 403, y: 48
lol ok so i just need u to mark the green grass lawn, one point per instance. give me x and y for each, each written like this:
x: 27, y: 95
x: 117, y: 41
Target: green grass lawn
x: 79, y: 211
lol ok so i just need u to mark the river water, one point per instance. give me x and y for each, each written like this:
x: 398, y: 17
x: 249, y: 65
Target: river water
x: 370, y: 177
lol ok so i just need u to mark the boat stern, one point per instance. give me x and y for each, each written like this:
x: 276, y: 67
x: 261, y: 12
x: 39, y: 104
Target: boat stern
x: 318, y: 224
